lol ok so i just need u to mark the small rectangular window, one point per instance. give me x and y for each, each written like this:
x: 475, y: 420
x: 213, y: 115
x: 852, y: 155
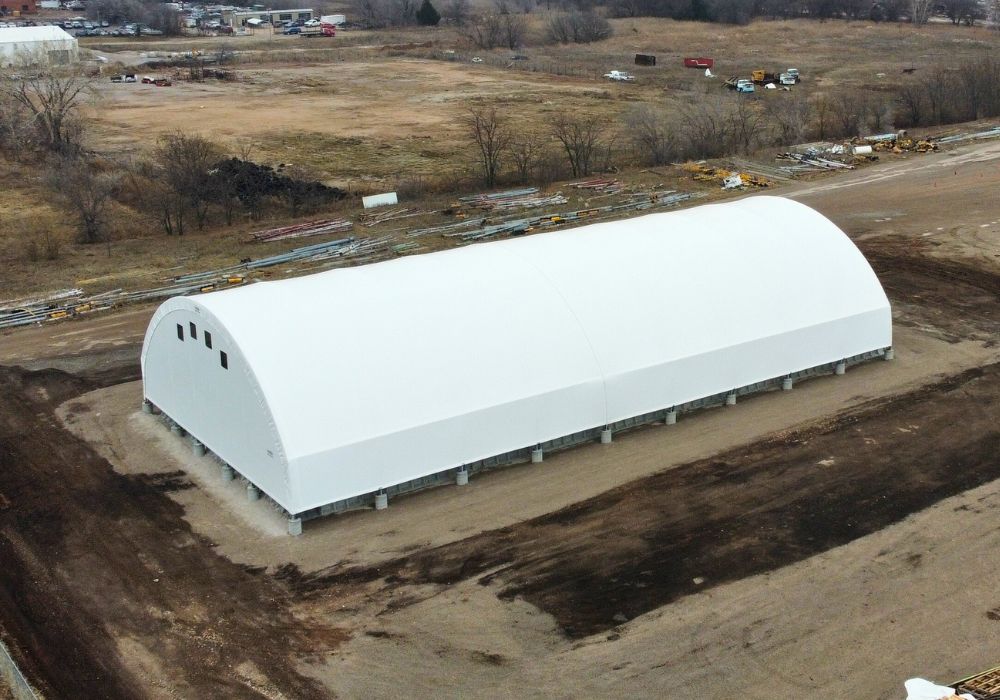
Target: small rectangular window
x: 180, y: 332
x: 194, y: 330
x: 224, y: 359
x: 208, y: 340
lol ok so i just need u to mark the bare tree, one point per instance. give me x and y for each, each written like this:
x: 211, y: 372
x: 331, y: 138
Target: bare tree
x: 86, y: 193
x: 489, y: 133
x: 17, y: 136
x: 789, y: 113
x: 524, y: 151
x: 849, y: 110
x: 457, y: 11
x: 962, y: 11
x: 560, y: 29
x: 582, y: 138
x: 707, y: 127
x: 748, y: 122
x: 920, y: 11
x: 938, y: 88
x: 875, y: 111
x: 652, y: 135
x: 578, y: 28
x: 823, y: 109
x: 144, y: 186
x: 912, y: 104
x: 485, y: 30
x: 52, y: 100
x: 512, y: 30
x: 185, y: 163
x: 373, y: 14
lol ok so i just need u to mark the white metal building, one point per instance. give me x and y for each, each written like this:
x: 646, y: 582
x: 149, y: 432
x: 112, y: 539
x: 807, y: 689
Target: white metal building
x: 324, y: 390
x: 21, y: 46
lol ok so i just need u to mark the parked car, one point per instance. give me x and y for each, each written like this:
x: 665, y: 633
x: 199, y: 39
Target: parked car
x: 293, y: 30
x: 619, y: 75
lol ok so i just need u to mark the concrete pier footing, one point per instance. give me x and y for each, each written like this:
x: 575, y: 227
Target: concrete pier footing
x: 147, y: 406
x: 381, y: 501
x: 606, y: 436
x: 253, y: 493
x: 228, y: 474
x: 295, y: 526
x: 841, y: 368
x: 197, y: 448
x: 890, y: 354
x: 176, y: 429
x: 462, y: 477
x: 537, y: 455
x: 671, y: 417
x: 787, y: 383
x: 731, y: 398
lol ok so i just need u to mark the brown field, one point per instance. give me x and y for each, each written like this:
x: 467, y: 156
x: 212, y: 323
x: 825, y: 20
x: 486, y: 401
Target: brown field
x: 370, y: 118
x: 830, y: 542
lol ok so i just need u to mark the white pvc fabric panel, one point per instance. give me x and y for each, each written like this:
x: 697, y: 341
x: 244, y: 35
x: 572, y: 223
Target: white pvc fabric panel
x: 365, y: 377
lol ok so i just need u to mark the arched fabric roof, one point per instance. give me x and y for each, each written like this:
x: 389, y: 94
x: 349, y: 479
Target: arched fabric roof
x: 375, y: 375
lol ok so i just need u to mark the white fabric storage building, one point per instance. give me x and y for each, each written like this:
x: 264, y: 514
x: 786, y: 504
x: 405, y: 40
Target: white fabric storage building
x: 20, y: 46
x: 324, y: 389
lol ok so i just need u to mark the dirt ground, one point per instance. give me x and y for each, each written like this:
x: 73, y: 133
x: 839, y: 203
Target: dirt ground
x: 827, y: 543
x: 254, y: 533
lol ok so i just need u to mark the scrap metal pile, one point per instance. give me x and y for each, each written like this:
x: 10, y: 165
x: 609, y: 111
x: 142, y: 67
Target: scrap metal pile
x: 811, y: 161
x: 956, y: 138
x: 73, y: 302
x: 311, y: 228
x: 524, y: 198
x: 353, y: 250
x: 600, y: 184
x: 60, y: 305
x: 381, y: 216
x: 476, y: 229
x: 728, y: 179
x: 897, y: 143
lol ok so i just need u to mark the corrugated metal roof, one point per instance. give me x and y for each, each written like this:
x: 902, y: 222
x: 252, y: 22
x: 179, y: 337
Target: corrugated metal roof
x: 20, y: 35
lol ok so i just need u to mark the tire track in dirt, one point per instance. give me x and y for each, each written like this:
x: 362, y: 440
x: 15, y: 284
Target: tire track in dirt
x: 98, y: 566
x: 601, y: 562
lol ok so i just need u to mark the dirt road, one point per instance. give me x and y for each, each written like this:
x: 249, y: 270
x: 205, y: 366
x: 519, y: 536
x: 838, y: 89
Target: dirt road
x: 783, y: 566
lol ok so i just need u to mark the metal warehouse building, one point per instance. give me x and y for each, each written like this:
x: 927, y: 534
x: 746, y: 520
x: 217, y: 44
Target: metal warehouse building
x: 336, y: 390
x: 23, y: 46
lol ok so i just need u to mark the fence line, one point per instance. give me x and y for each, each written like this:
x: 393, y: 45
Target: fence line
x: 11, y: 674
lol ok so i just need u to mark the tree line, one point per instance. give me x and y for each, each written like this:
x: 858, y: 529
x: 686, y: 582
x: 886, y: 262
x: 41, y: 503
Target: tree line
x: 577, y: 144
x: 487, y: 19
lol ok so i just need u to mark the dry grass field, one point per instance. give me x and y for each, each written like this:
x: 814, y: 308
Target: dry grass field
x: 376, y: 111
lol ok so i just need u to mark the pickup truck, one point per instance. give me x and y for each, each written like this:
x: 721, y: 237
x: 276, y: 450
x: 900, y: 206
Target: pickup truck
x: 619, y: 75
x: 739, y: 84
x: 320, y: 30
